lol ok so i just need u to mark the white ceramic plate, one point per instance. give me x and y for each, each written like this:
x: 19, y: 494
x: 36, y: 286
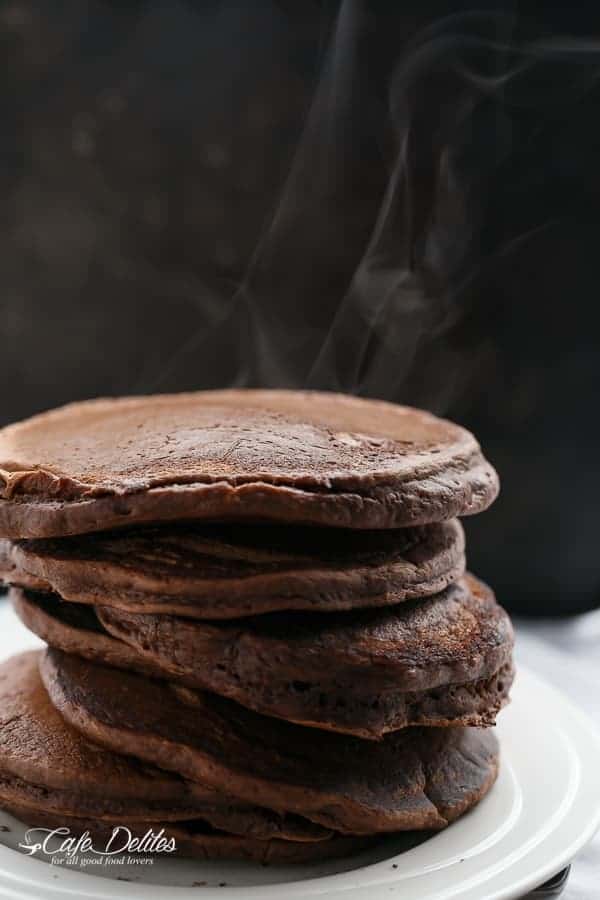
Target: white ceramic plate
x: 543, y: 808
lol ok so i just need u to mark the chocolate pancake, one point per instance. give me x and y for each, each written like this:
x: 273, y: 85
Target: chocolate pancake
x: 47, y: 766
x: 443, y: 661
x: 413, y: 779
x: 75, y: 628
x: 286, y: 456
x: 194, y: 839
x: 11, y: 573
x: 227, y: 571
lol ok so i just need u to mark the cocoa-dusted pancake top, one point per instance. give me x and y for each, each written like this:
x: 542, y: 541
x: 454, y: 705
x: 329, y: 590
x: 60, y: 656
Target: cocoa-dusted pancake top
x: 304, y: 457
x: 413, y: 779
x: 226, y: 571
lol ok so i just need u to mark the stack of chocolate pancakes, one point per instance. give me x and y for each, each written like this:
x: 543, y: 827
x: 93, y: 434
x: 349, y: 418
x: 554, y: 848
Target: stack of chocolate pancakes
x: 261, y: 636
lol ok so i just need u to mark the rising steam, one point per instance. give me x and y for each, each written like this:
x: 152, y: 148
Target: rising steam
x: 375, y: 255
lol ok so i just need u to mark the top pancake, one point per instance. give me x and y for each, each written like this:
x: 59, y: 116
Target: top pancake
x: 299, y: 457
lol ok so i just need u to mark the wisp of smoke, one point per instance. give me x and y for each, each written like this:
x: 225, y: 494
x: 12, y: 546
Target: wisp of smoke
x: 375, y: 251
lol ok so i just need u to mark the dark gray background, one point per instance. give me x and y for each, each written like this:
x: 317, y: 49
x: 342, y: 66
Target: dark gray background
x: 398, y: 200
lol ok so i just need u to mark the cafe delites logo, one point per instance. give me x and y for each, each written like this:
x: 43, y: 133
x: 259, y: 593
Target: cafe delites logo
x: 121, y: 846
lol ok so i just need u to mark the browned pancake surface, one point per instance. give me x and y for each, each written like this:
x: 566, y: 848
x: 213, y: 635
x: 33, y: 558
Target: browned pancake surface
x: 442, y: 661
x: 45, y: 764
x: 75, y: 628
x: 262, y: 663
x: 12, y: 573
x: 413, y: 779
x: 290, y: 456
x: 227, y: 571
